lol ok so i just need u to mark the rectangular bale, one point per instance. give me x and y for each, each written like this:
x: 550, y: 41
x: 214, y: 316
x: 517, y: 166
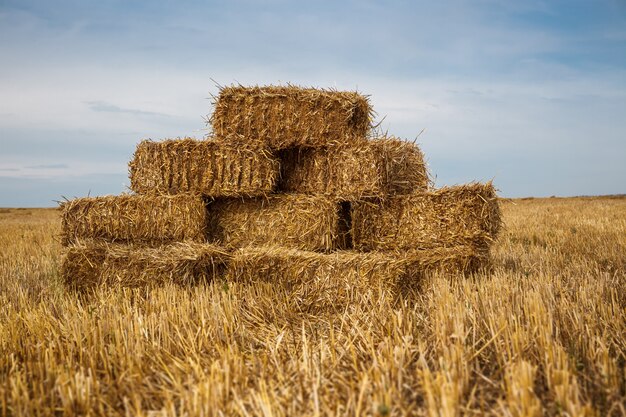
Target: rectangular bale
x: 452, y: 260
x: 451, y: 216
x: 301, y: 221
x: 376, y: 168
x: 320, y: 281
x: 86, y: 267
x: 315, y: 282
x: 149, y: 219
x: 287, y: 116
x: 208, y: 167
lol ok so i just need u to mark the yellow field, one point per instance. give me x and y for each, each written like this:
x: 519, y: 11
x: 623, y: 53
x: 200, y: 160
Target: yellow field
x: 543, y: 333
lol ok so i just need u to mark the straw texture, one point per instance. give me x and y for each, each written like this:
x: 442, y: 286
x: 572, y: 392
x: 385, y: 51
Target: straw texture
x: 316, y: 282
x: 86, y: 267
x: 319, y: 281
x: 300, y: 221
x: 376, y: 168
x: 461, y: 215
x: 208, y: 167
x: 135, y: 218
x: 287, y: 116
x: 451, y: 260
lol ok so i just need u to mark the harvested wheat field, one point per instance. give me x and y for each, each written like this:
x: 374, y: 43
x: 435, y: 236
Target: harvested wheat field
x: 543, y: 332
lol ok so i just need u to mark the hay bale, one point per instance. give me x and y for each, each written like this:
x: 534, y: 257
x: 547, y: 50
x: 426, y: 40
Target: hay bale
x: 82, y: 265
x: 462, y: 215
x: 287, y: 116
x: 450, y: 260
x: 86, y: 267
x: 376, y: 168
x: 207, y: 167
x: 300, y: 221
x: 135, y: 218
x: 317, y: 281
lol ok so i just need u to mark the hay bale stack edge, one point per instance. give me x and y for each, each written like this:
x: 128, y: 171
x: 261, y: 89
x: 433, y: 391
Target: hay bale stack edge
x: 208, y: 167
x: 450, y: 216
x: 334, y: 280
x: 88, y: 266
x: 145, y: 219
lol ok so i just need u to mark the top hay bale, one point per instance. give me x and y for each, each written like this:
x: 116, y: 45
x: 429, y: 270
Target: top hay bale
x: 287, y: 116
x: 207, y: 167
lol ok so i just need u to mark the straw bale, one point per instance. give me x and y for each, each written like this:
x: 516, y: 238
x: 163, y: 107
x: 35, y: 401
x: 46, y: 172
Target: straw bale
x: 87, y: 266
x: 82, y: 265
x: 287, y: 116
x: 300, y: 221
x: 208, y: 167
x: 318, y: 281
x: 376, y: 168
x: 451, y: 260
x: 451, y: 216
x: 136, y: 218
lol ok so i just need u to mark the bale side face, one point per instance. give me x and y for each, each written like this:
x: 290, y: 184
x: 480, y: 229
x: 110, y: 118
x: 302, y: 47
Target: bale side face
x: 82, y: 265
x: 462, y: 215
x: 135, y: 218
x: 317, y: 282
x: 89, y: 266
x: 208, y: 167
x: 376, y: 168
x: 299, y: 221
x: 287, y: 116
x: 452, y: 260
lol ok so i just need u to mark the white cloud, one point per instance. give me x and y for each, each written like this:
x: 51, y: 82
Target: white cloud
x: 494, y: 95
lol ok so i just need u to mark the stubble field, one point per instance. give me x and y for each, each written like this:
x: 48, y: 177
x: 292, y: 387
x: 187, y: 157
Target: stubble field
x: 541, y: 333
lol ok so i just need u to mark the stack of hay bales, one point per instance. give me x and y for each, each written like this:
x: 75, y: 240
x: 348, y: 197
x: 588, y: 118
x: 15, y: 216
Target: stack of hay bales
x: 289, y: 189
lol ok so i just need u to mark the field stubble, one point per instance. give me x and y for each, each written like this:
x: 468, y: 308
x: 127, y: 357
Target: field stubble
x: 541, y: 333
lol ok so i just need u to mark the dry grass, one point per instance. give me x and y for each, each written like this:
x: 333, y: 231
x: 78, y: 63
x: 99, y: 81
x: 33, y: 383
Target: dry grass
x: 543, y: 332
x: 281, y: 117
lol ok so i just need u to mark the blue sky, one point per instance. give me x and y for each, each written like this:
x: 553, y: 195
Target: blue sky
x: 531, y: 94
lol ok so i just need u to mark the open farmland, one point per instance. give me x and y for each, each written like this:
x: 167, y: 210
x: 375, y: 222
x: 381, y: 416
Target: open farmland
x: 541, y: 333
